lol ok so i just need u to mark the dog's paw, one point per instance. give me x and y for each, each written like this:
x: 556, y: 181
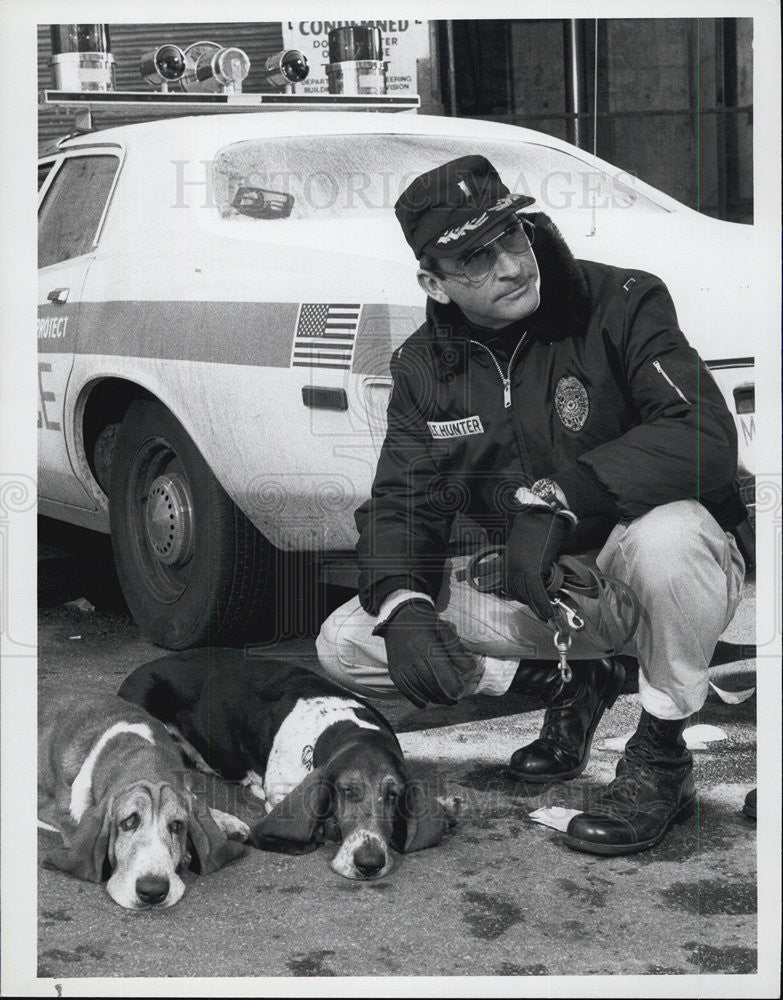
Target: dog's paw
x: 232, y: 826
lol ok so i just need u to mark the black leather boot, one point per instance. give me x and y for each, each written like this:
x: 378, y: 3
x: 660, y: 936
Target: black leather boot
x: 562, y: 750
x: 653, y: 789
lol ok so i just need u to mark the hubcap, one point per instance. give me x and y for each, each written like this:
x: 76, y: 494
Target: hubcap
x: 168, y: 519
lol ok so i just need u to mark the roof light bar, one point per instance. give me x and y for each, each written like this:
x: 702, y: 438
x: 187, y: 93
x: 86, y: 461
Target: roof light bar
x: 183, y: 104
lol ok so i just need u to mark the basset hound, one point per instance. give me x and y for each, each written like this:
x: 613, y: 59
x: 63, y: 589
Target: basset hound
x: 325, y: 765
x: 111, y: 781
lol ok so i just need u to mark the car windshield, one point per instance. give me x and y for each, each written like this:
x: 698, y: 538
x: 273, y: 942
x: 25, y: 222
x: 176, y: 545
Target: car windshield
x: 363, y: 175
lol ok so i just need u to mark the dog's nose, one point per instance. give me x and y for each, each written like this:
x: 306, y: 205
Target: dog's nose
x: 152, y: 889
x: 369, y: 859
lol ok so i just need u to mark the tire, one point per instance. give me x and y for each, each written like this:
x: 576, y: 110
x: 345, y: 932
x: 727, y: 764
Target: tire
x: 192, y: 567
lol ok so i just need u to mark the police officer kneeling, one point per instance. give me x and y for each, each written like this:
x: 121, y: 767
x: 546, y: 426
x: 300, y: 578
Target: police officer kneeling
x: 556, y: 405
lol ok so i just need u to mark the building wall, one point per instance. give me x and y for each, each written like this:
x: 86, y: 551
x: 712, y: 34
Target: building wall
x: 652, y: 67
x: 661, y: 85
x: 537, y: 74
x: 671, y: 69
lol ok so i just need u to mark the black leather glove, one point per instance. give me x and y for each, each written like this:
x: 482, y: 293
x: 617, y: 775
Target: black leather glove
x: 534, y: 543
x: 426, y: 660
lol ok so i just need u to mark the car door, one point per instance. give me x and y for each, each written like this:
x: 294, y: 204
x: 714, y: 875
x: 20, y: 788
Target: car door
x: 74, y: 192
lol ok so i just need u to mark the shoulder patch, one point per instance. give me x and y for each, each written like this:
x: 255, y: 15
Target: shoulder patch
x: 572, y: 402
x: 629, y: 284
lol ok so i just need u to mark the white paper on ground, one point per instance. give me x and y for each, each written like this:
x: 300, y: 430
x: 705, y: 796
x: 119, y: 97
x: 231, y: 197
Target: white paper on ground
x: 697, y: 737
x: 733, y: 697
x: 556, y: 817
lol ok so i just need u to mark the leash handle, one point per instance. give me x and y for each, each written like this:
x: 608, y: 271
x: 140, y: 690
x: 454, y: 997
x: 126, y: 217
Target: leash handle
x: 484, y: 573
x: 571, y: 579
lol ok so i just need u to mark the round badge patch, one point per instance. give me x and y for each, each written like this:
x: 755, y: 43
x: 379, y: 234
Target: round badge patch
x: 572, y: 402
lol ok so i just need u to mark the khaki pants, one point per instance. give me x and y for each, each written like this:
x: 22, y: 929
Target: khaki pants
x: 685, y: 570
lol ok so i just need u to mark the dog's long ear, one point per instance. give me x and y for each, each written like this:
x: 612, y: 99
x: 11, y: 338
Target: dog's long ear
x: 211, y: 848
x: 421, y: 821
x: 86, y: 856
x: 291, y: 827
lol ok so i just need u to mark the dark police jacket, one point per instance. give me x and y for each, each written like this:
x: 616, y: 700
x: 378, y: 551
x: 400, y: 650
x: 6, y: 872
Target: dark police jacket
x: 604, y: 394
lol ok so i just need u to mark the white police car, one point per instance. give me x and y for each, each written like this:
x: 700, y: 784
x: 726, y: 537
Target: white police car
x: 219, y: 297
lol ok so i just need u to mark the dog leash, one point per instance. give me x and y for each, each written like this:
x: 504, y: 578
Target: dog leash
x: 571, y: 581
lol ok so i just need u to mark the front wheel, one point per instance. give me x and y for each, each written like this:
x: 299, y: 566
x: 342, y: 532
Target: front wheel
x: 192, y: 567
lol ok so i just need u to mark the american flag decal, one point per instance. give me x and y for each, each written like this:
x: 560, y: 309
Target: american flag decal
x: 325, y: 335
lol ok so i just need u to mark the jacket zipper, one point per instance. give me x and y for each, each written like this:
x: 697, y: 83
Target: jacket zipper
x: 505, y: 379
x: 659, y: 368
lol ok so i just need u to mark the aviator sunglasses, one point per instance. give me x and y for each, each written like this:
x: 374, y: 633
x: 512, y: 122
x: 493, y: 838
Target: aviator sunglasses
x: 516, y: 239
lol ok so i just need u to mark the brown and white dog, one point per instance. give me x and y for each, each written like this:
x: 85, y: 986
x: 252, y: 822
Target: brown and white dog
x: 325, y: 765
x: 111, y: 781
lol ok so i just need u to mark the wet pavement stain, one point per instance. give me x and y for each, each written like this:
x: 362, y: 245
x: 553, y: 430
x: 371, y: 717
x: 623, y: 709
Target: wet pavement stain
x: 392, y: 961
x: 292, y: 890
x: 489, y: 916
x: 663, y: 970
x: 510, y: 969
x: 79, y: 952
x: 576, y: 929
x: 586, y: 894
x: 485, y: 822
x: 713, y: 897
x: 679, y: 846
x: 495, y: 778
x: 56, y: 915
x: 380, y: 886
x: 730, y: 958
x: 311, y: 963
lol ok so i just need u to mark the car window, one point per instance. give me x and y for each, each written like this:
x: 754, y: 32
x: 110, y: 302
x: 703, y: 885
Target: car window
x: 71, y: 212
x: 344, y: 175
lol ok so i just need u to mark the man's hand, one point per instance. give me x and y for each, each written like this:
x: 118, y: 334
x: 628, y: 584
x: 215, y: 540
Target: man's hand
x: 534, y: 543
x: 426, y: 660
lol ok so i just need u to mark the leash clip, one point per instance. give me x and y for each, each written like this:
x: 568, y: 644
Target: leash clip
x: 575, y: 621
x: 562, y: 642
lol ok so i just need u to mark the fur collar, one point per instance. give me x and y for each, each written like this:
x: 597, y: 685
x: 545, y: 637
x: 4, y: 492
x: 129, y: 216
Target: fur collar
x: 564, y: 310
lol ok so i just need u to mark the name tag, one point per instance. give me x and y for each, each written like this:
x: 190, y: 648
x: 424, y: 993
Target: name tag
x: 455, y: 428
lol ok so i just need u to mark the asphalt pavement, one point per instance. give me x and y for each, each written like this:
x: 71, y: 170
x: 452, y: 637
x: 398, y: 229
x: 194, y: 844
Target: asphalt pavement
x: 502, y: 896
